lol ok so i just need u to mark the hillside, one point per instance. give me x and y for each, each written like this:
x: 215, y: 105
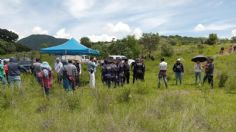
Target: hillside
x: 35, y: 42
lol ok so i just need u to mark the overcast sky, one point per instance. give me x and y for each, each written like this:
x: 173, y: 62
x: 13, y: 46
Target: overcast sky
x: 102, y: 20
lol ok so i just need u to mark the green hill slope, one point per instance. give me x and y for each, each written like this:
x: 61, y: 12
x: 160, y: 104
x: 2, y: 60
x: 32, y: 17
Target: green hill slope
x: 35, y: 42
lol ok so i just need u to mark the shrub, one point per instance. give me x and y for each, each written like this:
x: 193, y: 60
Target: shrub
x: 73, y: 102
x: 223, y: 77
x: 167, y: 50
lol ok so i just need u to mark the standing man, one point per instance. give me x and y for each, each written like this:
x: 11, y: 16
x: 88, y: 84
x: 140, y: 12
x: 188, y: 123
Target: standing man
x: 92, y: 70
x: 162, y: 73
x: 121, y: 72
x: 58, y: 66
x: 138, y: 70
x: 209, y: 71
x: 71, y: 73
x: 79, y: 71
x: 179, y: 70
x: 127, y: 71
x: 14, y: 77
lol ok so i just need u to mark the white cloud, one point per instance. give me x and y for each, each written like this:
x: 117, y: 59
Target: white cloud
x: 234, y: 32
x: 77, y: 8
x: 138, y: 33
x: 199, y: 28
x: 39, y: 30
x: 62, y: 34
x: 120, y: 27
x: 101, y: 38
x: 213, y: 27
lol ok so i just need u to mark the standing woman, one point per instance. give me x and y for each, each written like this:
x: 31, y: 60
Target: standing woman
x: 46, y: 77
x: 198, y: 70
x: 92, y: 70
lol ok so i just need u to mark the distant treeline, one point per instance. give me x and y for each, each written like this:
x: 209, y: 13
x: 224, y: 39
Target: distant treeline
x: 8, y: 42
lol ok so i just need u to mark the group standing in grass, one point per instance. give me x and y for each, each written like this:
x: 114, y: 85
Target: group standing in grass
x: 116, y: 72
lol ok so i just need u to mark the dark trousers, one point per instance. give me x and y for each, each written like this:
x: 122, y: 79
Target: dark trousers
x: 127, y: 76
x: 209, y: 78
x: 46, y: 90
x: 137, y: 76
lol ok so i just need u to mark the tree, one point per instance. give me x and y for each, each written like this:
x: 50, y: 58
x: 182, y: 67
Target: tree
x: 212, y: 39
x: 150, y: 42
x: 8, y: 36
x: 233, y: 39
x: 86, y: 41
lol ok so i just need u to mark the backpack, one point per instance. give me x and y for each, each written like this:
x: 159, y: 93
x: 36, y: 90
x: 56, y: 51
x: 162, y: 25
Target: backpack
x: 45, y: 73
x: 139, y: 68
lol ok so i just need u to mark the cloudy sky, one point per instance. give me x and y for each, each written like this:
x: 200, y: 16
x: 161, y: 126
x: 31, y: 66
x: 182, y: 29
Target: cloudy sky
x: 102, y: 20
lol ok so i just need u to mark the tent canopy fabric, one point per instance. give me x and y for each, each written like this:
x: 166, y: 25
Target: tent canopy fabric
x: 71, y: 47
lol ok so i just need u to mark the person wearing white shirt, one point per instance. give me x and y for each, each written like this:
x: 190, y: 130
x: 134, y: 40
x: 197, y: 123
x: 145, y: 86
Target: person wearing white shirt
x: 58, y: 66
x: 198, y: 70
x: 162, y: 73
x: 92, y: 70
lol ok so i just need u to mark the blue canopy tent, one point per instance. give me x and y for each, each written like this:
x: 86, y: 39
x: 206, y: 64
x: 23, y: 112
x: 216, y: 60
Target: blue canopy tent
x: 71, y: 47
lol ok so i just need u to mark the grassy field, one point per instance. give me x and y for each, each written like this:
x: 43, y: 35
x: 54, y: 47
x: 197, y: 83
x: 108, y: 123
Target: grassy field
x: 132, y: 108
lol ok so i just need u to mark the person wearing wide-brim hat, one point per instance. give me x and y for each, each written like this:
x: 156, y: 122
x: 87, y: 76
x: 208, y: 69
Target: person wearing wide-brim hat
x: 178, y: 68
x: 45, y: 77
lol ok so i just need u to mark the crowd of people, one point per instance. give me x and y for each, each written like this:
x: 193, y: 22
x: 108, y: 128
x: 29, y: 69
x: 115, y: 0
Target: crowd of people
x: 231, y: 49
x: 114, y: 72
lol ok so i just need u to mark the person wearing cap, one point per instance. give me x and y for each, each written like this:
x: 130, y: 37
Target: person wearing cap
x: 45, y: 76
x: 162, y: 73
x: 92, y: 70
x: 178, y: 68
x: 209, y: 71
x: 57, y: 67
x: 2, y: 74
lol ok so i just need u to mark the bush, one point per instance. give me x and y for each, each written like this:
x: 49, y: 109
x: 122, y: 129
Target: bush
x: 73, y: 102
x: 223, y: 77
x: 167, y: 50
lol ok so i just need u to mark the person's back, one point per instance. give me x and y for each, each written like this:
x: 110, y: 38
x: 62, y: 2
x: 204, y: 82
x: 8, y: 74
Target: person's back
x: 71, y: 69
x: 178, y: 67
x: 58, y: 66
x: 13, y: 69
x: 163, y: 66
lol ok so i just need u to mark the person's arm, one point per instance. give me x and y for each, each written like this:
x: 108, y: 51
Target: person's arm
x: 174, y: 68
x: 80, y: 69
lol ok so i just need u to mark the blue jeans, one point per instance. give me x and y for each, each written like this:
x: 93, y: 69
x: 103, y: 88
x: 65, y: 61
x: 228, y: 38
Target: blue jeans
x: 178, y: 77
x: 67, y: 85
x: 198, y: 78
x: 14, y: 81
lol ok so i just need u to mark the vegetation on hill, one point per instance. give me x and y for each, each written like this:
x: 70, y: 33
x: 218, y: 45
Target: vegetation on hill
x: 8, y: 42
x: 35, y: 42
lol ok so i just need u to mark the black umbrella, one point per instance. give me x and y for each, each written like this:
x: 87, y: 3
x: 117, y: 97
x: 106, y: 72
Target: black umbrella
x: 200, y: 58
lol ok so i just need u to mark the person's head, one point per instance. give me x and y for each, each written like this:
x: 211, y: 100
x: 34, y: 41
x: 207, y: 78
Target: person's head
x: 12, y: 59
x: 57, y: 60
x: 5, y: 62
x: 70, y: 61
x: 178, y: 61
x: 64, y: 62
x: 126, y: 60
x: 210, y: 60
x: 162, y: 59
x: 37, y: 60
x: 198, y: 62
